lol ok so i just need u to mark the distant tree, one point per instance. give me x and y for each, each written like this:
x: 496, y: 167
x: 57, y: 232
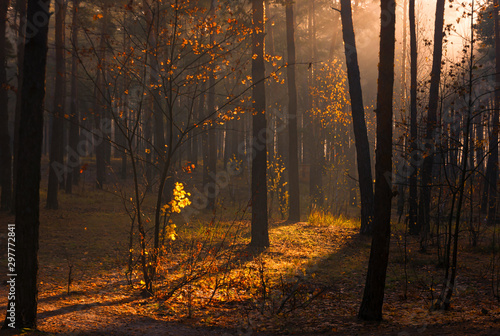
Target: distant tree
x: 56, y: 170
x: 373, y: 296
x: 28, y: 168
x: 293, y: 159
x: 100, y: 100
x: 5, y: 152
x: 260, y: 234
x: 74, y: 130
x: 358, y: 119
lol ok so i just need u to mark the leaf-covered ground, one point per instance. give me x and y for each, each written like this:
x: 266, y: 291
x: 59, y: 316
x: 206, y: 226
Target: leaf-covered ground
x: 309, y: 282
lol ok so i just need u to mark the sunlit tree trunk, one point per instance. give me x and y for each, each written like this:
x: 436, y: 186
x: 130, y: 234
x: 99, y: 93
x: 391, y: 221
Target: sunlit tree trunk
x: 358, y: 119
x: 373, y: 296
x: 5, y: 152
x: 56, y: 171
x: 293, y: 159
x: 28, y: 181
x: 260, y: 234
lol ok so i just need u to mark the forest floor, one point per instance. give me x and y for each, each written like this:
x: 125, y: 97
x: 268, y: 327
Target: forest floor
x: 309, y: 282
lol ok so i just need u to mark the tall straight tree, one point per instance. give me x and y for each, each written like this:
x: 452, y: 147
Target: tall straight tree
x: 358, y: 119
x: 74, y: 134
x: 5, y: 153
x: 99, y: 103
x: 28, y: 168
x: 56, y: 141
x: 260, y: 234
x: 413, y: 201
x: 425, y: 195
x: 21, y: 32
x: 293, y: 153
x: 493, y: 145
x: 373, y: 296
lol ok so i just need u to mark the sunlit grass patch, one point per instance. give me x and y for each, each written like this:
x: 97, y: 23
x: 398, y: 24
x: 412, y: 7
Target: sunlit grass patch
x: 324, y: 218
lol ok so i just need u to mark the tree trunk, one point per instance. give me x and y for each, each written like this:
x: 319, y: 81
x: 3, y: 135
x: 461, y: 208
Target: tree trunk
x: 260, y: 234
x: 425, y: 196
x: 413, y: 201
x: 212, y: 146
x: 373, y: 296
x: 56, y: 168
x: 21, y: 7
x: 73, y: 160
x: 99, y: 106
x: 493, y: 146
x: 293, y: 159
x: 28, y: 181
x: 5, y: 152
x: 358, y: 119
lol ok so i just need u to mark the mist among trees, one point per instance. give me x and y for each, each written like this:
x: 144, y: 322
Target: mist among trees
x: 258, y: 166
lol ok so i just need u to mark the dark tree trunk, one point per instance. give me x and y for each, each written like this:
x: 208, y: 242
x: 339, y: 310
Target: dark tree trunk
x: 413, y: 201
x: 73, y: 160
x: 211, y: 187
x: 358, y: 119
x: 373, y: 296
x: 21, y: 7
x: 425, y: 196
x: 260, y: 234
x: 159, y: 137
x: 56, y: 168
x: 493, y: 146
x: 99, y: 106
x: 28, y: 181
x: 5, y: 152
x: 293, y: 158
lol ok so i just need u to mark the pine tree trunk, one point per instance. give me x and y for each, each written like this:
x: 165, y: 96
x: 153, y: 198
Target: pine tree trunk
x: 358, y: 119
x: 56, y: 168
x: 425, y: 196
x: 28, y: 181
x: 373, y: 296
x: 293, y: 159
x: 260, y: 234
x: 493, y: 177
x: 5, y: 152
x: 99, y: 106
x: 73, y: 160
x: 413, y: 198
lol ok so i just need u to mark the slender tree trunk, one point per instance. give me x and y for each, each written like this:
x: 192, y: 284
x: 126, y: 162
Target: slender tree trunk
x: 493, y: 147
x: 413, y: 198
x: 73, y: 160
x: 5, y: 152
x: 260, y: 234
x: 358, y: 119
x: 56, y: 168
x: 373, y: 296
x: 425, y: 196
x: 29, y: 157
x: 212, y: 146
x: 99, y: 105
x: 293, y: 158
x: 159, y: 137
